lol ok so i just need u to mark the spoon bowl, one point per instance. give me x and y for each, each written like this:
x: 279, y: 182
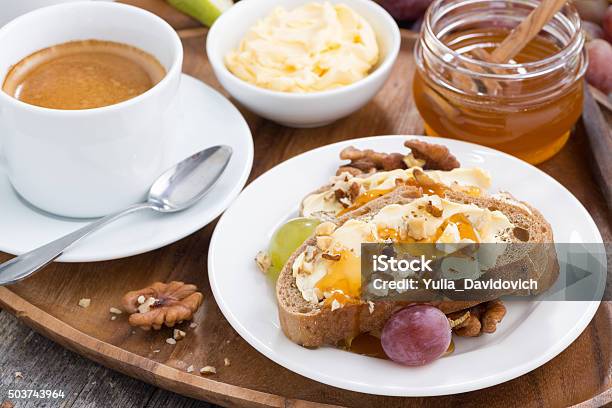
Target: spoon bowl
x: 188, y: 181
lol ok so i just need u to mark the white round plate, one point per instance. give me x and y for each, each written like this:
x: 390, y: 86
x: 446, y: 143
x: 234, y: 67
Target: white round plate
x: 204, y: 118
x: 531, y: 334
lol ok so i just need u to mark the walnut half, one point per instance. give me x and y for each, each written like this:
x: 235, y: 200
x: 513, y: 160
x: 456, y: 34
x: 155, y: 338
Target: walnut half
x: 162, y: 303
x: 482, y: 318
x: 369, y: 161
x: 437, y: 157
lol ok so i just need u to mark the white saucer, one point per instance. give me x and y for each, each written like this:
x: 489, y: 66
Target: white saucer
x: 206, y: 118
x: 531, y: 334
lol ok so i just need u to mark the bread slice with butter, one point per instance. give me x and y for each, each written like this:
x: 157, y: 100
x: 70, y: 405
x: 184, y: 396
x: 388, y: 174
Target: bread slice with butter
x: 311, y: 324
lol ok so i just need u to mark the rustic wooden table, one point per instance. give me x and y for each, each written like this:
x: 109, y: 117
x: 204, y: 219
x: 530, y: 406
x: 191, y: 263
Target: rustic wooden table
x: 45, y: 364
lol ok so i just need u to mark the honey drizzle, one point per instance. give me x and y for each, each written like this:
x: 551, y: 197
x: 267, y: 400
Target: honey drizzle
x: 363, y: 199
x: 429, y: 189
x: 369, y: 345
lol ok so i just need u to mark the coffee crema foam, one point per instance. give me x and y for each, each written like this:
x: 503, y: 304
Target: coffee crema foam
x: 83, y: 75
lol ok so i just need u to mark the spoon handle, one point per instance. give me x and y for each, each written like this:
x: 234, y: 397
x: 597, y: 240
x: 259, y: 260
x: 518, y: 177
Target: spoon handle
x: 26, y: 264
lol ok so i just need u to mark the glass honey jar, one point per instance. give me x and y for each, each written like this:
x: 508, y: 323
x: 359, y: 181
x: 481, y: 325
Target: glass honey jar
x: 527, y: 106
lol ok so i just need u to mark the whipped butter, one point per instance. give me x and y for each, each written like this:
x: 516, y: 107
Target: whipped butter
x: 315, y: 47
x: 458, y: 179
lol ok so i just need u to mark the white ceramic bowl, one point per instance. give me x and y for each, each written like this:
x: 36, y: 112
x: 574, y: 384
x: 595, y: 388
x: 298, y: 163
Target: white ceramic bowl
x: 292, y: 109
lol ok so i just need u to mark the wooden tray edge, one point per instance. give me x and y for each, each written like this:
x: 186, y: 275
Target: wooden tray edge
x: 131, y: 364
x: 171, y: 379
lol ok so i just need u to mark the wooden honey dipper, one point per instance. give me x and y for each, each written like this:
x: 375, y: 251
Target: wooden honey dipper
x: 516, y: 40
x: 522, y: 34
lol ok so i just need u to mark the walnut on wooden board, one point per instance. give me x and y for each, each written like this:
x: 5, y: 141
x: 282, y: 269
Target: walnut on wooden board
x: 482, y: 318
x: 162, y: 304
x: 437, y: 157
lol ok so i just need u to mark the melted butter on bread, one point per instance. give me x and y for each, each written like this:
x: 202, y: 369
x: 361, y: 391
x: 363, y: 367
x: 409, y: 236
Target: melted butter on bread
x: 470, y: 180
x: 429, y: 219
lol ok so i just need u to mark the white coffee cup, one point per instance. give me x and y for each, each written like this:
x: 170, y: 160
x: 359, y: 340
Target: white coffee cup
x: 88, y: 163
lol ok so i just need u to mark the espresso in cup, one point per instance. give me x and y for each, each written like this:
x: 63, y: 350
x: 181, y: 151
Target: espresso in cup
x: 83, y: 75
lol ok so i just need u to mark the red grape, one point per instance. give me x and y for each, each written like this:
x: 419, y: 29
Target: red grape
x: 592, y: 30
x: 591, y: 10
x: 607, y: 24
x: 405, y: 9
x: 599, y: 72
x: 416, y: 335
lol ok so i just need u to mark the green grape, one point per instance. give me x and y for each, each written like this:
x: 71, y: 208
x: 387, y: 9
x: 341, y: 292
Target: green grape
x: 286, y: 240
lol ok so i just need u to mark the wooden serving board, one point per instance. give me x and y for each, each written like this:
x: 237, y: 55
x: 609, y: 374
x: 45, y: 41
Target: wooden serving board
x: 48, y: 301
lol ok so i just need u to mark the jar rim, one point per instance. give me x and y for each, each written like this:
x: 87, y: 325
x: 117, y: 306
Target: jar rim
x: 492, y: 69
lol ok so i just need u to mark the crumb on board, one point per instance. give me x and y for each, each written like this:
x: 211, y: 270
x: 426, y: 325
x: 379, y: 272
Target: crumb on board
x: 178, y: 334
x: 208, y: 370
x: 116, y: 311
x: 84, y: 303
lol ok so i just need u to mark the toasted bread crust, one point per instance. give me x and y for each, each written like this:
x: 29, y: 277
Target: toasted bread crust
x: 313, y: 326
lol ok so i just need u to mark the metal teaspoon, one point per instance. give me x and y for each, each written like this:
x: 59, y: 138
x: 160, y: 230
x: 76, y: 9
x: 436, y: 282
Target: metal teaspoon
x: 175, y: 190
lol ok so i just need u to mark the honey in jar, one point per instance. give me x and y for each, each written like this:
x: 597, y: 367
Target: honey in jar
x: 527, y: 106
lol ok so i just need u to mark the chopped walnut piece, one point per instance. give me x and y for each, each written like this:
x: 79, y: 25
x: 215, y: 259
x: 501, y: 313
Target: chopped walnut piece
x: 433, y: 210
x: 226, y: 362
x: 354, y: 191
x: 18, y: 374
x: 178, y: 334
x: 437, y: 157
x: 330, y: 257
x: 342, y: 197
x: 263, y: 261
x: 171, y: 341
x: 174, y: 302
